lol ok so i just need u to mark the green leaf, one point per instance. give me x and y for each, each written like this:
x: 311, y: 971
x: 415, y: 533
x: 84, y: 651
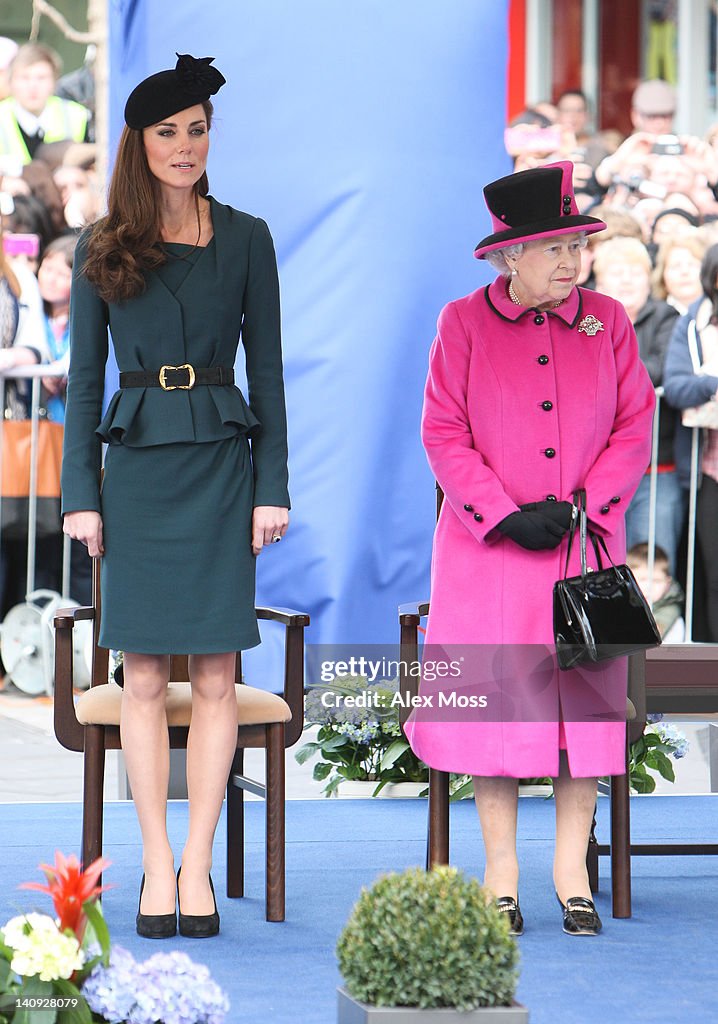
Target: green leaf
x: 32, y: 988
x: 638, y: 747
x: 641, y: 781
x: 393, y: 752
x: 337, y: 757
x: 334, y: 742
x: 99, y: 927
x: 333, y: 785
x: 6, y: 974
x: 663, y: 765
x: 307, y: 751
x: 79, y: 1014
x: 321, y: 771
x: 463, y: 792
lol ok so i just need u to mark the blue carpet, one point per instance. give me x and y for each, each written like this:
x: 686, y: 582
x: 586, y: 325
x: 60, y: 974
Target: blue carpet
x: 659, y: 965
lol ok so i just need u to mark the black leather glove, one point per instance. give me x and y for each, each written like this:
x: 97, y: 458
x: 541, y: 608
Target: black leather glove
x: 559, y: 512
x: 532, y: 530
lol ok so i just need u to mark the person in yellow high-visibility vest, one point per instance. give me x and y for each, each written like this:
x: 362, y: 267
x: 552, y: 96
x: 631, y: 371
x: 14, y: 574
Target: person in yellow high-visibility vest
x: 31, y: 114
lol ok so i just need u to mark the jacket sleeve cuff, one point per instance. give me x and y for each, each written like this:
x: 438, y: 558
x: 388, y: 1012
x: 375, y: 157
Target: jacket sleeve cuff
x: 80, y: 503
x: 481, y: 521
x: 270, y: 495
x: 605, y: 517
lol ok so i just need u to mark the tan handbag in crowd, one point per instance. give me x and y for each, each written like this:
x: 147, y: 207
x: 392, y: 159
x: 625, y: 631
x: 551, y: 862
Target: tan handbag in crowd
x: 16, y: 437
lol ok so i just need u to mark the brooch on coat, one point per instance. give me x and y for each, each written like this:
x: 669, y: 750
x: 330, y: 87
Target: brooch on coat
x: 590, y: 325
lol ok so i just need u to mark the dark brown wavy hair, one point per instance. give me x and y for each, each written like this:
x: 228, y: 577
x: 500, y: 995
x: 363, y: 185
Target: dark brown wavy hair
x: 123, y: 245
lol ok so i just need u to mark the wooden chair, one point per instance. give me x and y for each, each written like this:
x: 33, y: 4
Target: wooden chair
x: 264, y: 720
x: 437, y: 844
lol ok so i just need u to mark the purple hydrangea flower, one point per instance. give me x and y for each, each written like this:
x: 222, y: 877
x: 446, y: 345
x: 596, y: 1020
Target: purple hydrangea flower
x: 168, y: 988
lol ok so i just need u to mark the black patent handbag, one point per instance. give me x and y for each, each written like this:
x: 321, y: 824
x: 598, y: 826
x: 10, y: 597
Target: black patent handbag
x: 602, y: 613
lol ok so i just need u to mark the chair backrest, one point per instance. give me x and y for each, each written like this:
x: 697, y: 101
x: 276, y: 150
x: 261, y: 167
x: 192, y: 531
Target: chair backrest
x: 100, y: 655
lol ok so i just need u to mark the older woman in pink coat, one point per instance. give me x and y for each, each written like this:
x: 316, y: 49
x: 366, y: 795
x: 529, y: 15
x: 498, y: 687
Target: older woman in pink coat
x: 535, y: 389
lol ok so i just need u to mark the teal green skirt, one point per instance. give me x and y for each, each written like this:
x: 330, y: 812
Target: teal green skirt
x: 178, y: 569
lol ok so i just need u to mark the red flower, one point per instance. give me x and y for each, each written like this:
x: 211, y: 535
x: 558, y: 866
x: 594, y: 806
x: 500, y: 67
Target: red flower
x: 70, y: 888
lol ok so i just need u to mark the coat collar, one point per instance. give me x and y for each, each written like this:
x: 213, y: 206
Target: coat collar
x: 499, y: 302
x: 214, y: 248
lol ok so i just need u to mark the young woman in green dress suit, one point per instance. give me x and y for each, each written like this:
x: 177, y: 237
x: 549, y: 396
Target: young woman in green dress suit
x: 185, y: 505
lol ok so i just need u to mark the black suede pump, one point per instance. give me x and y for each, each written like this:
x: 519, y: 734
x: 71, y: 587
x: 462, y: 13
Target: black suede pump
x: 154, y: 926
x: 198, y: 926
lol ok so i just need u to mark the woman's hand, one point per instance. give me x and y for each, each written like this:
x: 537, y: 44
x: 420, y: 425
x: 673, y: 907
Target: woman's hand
x: 532, y: 530
x: 560, y: 512
x: 87, y: 527
x: 54, y: 385
x: 269, y: 522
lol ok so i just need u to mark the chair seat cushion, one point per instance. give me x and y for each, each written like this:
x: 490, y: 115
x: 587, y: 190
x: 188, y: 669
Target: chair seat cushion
x: 100, y: 705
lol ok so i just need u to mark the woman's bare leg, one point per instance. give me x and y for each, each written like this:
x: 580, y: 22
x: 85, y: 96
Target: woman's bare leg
x: 145, y: 745
x: 497, y: 804
x: 575, y: 804
x: 210, y: 749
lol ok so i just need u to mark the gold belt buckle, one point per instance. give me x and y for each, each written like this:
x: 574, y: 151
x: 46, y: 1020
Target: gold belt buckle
x: 173, y: 387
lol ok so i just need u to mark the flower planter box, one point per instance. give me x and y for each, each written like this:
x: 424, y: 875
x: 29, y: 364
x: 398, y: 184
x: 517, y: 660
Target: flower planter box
x: 392, y: 791
x: 351, y: 1011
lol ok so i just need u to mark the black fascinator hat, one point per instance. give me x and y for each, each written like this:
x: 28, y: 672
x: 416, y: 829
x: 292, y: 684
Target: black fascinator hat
x: 192, y: 80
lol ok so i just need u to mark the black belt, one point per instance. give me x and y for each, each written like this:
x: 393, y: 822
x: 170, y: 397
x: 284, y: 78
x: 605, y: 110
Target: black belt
x: 170, y: 378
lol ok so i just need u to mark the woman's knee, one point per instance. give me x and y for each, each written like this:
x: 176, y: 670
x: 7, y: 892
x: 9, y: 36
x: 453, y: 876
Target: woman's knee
x: 212, y: 676
x: 146, y: 676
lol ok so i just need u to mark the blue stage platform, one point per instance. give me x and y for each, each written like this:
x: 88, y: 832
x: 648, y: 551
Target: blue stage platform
x: 659, y: 965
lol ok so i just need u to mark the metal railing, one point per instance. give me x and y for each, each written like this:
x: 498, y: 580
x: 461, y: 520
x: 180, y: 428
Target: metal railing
x: 692, y: 505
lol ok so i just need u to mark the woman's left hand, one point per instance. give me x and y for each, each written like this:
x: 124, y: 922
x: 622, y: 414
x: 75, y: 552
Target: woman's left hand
x: 54, y: 385
x: 269, y: 523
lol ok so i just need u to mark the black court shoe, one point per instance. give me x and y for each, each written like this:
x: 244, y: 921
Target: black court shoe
x: 508, y: 905
x: 198, y: 926
x: 154, y: 926
x: 579, y: 916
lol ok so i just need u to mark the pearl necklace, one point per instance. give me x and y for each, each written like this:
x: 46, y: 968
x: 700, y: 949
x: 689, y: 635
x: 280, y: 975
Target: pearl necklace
x: 517, y: 301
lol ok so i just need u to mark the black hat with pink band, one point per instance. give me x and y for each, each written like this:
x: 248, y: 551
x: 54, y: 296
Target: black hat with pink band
x: 537, y: 203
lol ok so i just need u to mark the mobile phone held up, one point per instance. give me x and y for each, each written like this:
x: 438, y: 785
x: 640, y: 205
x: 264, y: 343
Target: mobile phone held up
x: 525, y: 138
x: 21, y: 245
x: 667, y: 145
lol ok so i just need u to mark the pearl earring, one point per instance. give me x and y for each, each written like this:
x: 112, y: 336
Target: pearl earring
x: 514, y: 271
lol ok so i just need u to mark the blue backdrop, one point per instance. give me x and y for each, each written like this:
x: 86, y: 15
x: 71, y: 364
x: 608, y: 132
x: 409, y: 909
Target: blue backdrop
x: 362, y: 132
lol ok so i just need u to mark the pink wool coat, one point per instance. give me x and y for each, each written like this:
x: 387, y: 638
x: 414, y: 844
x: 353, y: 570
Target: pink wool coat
x: 520, y: 406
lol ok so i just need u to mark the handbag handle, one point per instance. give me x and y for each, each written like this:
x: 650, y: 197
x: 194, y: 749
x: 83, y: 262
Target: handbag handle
x: 581, y: 517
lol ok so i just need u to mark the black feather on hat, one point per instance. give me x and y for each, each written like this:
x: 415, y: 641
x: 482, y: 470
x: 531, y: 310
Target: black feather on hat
x: 193, y: 80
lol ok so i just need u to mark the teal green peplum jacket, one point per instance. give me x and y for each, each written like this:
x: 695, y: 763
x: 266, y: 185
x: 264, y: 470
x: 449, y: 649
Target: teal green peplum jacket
x: 231, y: 291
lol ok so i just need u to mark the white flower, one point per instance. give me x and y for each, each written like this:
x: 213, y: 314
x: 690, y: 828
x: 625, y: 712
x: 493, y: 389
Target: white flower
x: 16, y: 929
x: 41, y: 949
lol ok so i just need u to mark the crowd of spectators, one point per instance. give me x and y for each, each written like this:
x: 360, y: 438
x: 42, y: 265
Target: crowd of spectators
x: 657, y: 192
x: 48, y: 192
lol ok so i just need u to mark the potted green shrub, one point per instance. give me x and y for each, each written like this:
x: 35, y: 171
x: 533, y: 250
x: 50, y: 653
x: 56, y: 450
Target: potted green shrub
x: 427, y: 946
